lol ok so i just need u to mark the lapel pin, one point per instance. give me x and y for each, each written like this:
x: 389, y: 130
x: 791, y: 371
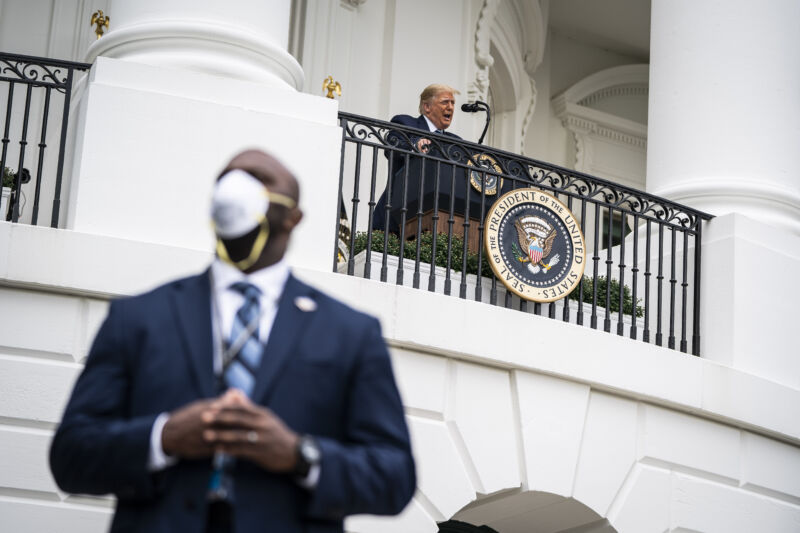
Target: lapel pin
x: 304, y: 303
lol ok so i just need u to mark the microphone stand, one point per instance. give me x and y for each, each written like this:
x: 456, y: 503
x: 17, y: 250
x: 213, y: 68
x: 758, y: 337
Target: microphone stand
x: 476, y: 106
x: 485, y: 107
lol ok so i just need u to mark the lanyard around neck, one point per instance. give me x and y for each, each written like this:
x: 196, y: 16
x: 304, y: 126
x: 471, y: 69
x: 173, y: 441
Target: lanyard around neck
x: 229, y: 352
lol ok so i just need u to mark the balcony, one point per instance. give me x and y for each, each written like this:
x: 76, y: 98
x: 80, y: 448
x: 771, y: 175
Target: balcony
x: 641, y: 273
x: 642, y: 253
x: 36, y: 93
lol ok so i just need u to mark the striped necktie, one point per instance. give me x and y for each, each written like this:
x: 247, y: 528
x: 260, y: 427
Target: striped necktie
x: 242, y: 369
x: 239, y: 373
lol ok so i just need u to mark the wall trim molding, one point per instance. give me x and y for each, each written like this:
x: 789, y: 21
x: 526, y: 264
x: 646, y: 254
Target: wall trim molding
x: 212, y: 48
x: 610, y: 92
x: 572, y: 107
x: 479, y: 88
x: 604, y: 83
x: 526, y: 122
x: 583, y: 121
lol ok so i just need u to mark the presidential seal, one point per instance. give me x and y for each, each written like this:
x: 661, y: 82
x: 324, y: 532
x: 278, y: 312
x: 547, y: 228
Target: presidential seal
x: 483, y: 180
x: 535, y: 245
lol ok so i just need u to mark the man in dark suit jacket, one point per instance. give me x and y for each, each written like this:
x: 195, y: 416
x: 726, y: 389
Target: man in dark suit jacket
x: 319, y: 435
x: 436, y: 106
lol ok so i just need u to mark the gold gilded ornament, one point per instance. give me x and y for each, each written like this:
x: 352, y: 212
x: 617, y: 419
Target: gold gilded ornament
x: 331, y: 86
x: 99, y: 20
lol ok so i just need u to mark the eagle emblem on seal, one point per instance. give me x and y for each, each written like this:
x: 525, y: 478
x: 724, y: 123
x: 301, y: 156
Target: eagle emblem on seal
x: 535, y: 236
x: 527, y: 233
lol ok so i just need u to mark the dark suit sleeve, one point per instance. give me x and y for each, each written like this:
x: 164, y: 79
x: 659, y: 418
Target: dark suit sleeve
x: 99, y: 448
x: 403, y: 140
x: 371, y: 470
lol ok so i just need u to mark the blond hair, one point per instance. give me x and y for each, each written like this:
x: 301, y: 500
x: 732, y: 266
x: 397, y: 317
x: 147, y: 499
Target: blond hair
x: 432, y: 91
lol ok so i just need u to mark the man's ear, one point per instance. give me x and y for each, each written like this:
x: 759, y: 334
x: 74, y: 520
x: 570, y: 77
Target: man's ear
x: 292, y: 219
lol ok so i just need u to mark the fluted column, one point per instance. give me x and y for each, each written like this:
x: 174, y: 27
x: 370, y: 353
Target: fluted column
x: 724, y: 112
x: 240, y: 39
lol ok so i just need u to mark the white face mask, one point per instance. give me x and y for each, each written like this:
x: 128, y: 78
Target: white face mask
x: 238, y: 206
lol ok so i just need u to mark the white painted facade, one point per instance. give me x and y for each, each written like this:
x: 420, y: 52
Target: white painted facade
x: 583, y: 431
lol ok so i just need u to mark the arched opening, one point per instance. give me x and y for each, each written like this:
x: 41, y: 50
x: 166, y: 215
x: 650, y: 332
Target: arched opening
x: 456, y: 526
x: 502, y: 100
x: 526, y: 512
x: 510, y: 40
x: 606, y: 116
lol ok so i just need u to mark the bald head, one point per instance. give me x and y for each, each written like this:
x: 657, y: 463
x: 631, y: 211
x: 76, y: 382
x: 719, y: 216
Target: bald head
x: 281, y: 219
x: 267, y: 170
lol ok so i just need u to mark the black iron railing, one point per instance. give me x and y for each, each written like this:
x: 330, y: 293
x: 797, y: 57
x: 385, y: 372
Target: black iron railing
x: 422, y: 212
x: 31, y: 87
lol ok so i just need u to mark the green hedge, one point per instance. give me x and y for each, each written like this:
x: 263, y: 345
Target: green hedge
x: 627, y: 300
x: 426, y: 246
x: 8, y: 177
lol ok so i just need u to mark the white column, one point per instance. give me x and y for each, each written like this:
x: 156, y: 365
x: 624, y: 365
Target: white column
x: 240, y: 39
x: 724, y: 137
x: 177, y: 87
x: 724, y: 124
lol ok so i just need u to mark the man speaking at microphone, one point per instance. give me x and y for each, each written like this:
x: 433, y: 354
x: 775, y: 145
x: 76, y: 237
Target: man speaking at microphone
x: 437, y: 104
x: 436, y: 107
x: 239, y: 399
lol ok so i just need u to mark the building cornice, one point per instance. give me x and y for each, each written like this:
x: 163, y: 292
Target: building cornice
x: 604, y: 83
x: 583, y: 120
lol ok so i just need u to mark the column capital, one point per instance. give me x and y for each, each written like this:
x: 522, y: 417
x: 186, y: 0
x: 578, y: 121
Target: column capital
x: 200, y: 36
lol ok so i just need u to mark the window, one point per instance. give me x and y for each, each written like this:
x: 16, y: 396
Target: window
x: 618, y: 230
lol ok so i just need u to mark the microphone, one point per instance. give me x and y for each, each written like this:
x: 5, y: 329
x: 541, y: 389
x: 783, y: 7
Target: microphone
x: 470, y: 108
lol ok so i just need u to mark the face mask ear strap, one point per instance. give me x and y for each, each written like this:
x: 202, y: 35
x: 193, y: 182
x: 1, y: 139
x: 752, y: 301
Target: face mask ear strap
x: 281, y: 199
x: 255, y: 250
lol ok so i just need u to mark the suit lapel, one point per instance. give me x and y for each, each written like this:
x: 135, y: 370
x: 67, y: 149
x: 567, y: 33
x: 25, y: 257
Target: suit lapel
x: 192, y: 305
x: 290, y: 324
x: 422, y: 123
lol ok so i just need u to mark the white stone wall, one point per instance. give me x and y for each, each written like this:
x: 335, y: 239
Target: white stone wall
x: 45, y: 338
x: 644, y: 437
x: 146, y: 168
x: 384, y: 53
x: 647, y: 438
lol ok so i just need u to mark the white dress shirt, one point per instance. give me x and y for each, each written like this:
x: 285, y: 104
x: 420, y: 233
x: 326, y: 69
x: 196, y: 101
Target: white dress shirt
x: 431, y: 125
x: 225, y: 301
x: 270, y: 281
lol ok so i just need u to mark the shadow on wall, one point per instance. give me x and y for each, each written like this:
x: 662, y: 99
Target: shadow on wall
x: 454, y: 526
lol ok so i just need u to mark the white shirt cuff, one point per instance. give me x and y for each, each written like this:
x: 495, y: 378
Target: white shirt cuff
x: 158, y: 460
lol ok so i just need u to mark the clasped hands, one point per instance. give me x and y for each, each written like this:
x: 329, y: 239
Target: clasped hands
x: 232, y: 424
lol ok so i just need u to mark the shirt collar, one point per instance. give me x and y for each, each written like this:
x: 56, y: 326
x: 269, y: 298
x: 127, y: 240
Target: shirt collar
x: 431, y: 125
x: 270, y: 280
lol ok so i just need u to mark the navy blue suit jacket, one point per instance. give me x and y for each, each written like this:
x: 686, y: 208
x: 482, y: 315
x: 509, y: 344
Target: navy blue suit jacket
x: 398, y: 164
x: 325, y: 372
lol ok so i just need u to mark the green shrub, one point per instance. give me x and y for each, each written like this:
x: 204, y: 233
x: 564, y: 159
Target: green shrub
x: 426, y: 247
x: 627, y: 300
x: 8, y: 177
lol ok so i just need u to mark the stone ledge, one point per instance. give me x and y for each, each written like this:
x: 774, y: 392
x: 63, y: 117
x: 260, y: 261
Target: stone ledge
x: 606, y: 362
